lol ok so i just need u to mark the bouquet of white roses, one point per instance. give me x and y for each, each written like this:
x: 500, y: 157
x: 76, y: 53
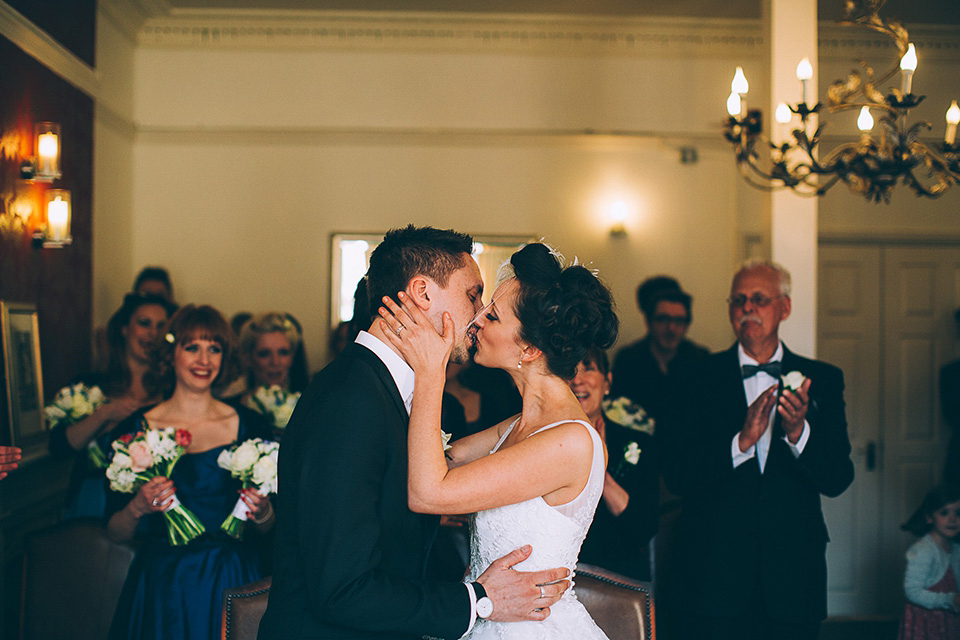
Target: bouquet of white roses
x: 624, y: 412
x: 72, y: 404
x: 274, y: 402
x: 254, y: 462
x: 150, y: 453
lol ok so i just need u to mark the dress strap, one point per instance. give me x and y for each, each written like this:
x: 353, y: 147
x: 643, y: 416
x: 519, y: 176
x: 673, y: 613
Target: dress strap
x: 504, y: 436
x: 558, y: 423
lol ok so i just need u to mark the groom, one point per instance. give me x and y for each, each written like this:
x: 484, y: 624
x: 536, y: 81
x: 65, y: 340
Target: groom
x: 350, y: 556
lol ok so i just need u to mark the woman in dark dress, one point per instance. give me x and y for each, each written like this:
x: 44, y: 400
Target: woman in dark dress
x: 628, y: 514
x: 176, y: 592
x: 131, y: 331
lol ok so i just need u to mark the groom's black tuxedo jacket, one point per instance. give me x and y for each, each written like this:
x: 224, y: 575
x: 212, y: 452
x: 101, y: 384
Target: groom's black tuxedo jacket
x: 349, y: 555
x: 747, y: 539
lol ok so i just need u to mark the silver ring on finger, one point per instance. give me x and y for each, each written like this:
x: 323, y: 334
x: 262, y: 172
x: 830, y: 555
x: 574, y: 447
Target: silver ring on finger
x: 156, y: 503
x: 543, y: 594
x: 400, y: 328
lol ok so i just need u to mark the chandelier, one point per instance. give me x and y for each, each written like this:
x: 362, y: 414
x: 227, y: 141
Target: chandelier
x: 870, y: 166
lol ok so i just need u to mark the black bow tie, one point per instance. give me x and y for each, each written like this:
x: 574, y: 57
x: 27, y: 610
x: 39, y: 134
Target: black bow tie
x: 770, y: 368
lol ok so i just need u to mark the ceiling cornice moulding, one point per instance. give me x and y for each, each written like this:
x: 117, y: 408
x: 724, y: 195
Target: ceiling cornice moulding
x: 932, y: 42
x: 468, y: 32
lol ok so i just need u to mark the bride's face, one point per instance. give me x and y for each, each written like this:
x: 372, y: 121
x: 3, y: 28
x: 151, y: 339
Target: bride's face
x: 497, y: 339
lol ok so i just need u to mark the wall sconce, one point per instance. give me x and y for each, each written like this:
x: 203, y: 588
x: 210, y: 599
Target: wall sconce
x: 56, y: 233
x: 618, y: 216
x: 45, y: 166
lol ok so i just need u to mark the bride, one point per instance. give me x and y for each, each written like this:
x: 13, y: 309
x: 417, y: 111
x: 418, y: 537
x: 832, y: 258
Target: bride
x: 535, y: 478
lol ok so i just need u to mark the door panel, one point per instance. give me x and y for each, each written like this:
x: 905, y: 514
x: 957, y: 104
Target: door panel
x: 849, y: 336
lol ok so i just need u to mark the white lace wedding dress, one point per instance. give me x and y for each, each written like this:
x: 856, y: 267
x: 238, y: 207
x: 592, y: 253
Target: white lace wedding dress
x: 556, y: 534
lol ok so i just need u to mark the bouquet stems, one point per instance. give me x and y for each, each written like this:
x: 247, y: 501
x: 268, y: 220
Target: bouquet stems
x: 182, y: 525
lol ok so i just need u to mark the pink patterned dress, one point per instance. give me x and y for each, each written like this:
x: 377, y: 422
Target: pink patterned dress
x: 919, y: 623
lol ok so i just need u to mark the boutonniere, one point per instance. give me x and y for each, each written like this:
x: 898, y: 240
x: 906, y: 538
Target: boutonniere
x: 793, y: 381
x: 631, y: 456
x: 624, y: 412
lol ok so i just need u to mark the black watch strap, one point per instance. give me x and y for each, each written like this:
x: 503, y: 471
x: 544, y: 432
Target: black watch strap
x: 479, y: 590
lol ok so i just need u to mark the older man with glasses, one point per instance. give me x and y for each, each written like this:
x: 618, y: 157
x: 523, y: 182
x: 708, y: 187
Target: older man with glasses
x: 760, y: 434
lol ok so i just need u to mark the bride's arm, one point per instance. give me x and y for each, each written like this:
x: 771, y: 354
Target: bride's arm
x: 554, y: 459
x: 475, y: 446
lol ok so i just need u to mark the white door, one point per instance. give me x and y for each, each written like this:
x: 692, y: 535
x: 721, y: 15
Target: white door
x: 849, y: 337
x: 922, y: 290
x: 885, y: 318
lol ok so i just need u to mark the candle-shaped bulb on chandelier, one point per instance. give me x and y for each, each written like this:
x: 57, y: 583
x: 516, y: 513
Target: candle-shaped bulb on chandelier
x: 908, y: 64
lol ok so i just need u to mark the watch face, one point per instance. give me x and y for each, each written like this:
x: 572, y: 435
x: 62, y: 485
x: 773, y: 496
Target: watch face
x: 484, y: 607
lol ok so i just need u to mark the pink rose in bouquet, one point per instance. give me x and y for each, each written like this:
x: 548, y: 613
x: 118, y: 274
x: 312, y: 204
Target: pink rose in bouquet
x: 140, y: 457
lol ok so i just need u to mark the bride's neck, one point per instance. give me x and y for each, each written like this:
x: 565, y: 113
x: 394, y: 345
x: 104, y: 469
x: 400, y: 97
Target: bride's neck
x: 542, y: 395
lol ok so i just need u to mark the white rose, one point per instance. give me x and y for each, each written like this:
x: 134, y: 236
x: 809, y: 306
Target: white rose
x: 265, y: 472
x: 54, y: 413
x: 82, y: 407
x: 120, y: 461
x: 224, y: 459
x: 281, y: 415
x: 245, y: 456
x: 96, y: 395
x: 793, y: 380
x: 631, y: 453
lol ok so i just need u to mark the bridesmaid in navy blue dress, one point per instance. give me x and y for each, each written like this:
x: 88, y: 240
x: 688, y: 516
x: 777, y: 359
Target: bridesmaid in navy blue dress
x: 176, y: 592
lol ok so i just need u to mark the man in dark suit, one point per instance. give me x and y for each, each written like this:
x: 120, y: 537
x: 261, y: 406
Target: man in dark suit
x: 647, y: 370
x: 751, y: 459
x: 349, y: 555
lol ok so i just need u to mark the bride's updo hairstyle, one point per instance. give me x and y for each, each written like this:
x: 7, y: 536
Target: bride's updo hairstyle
x: 564, y: 312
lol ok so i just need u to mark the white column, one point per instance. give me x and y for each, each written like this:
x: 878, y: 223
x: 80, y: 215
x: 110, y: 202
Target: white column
x: 793, y: 225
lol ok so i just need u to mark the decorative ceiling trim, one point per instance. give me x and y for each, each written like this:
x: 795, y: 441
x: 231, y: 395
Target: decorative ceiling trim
x: 468, y: 32
x: 39, y: 45
x: 932, y: 42
x: 129, y: 15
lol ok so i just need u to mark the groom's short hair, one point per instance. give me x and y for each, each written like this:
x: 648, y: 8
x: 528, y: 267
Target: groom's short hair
x: 411, y: 251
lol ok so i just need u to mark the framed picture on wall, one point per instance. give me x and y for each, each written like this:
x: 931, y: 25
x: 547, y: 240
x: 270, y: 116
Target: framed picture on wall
x: 22, y: 375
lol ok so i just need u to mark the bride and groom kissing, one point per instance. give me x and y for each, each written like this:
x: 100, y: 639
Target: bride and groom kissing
x: 363, y: 474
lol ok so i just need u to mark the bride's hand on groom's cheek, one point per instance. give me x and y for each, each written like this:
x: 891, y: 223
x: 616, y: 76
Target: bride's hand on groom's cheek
x: 409, y: 330
x: 522, y: 595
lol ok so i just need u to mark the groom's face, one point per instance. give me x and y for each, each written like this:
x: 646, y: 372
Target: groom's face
x: 462, y: 298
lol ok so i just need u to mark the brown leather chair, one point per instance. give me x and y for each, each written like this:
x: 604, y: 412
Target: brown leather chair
x: 621, y: 606
x: 243, y: 607
x: 72, y: 577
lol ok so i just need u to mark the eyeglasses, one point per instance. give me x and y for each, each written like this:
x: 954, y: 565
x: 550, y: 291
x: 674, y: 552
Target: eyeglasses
x: 680, y: 321
x: 757, y: 300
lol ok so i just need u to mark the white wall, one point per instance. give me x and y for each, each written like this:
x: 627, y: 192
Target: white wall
x: 113, y: 136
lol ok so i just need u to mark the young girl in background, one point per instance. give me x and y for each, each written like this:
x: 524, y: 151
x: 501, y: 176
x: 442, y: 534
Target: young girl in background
x: 932, y: 611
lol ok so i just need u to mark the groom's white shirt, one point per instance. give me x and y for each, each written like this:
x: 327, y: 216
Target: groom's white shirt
x: 403, y: 377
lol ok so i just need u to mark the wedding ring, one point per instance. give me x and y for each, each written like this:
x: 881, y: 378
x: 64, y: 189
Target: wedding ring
x: 542, y: 593
x: 400, y: 328
x: 156, y: 503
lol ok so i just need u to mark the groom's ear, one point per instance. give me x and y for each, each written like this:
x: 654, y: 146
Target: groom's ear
x: 419, y: 291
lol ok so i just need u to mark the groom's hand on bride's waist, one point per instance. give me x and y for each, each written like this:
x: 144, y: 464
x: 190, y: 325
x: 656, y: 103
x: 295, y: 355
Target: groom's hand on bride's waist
x: 522, y: 595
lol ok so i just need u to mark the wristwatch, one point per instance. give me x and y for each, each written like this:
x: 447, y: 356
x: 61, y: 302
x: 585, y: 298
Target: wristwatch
x: 484, y: 604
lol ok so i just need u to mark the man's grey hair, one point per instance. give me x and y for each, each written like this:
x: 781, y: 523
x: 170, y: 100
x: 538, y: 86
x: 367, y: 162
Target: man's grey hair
x: 783, y: 276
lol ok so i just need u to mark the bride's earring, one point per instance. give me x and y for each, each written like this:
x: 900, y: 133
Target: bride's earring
x: 520, y: 363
